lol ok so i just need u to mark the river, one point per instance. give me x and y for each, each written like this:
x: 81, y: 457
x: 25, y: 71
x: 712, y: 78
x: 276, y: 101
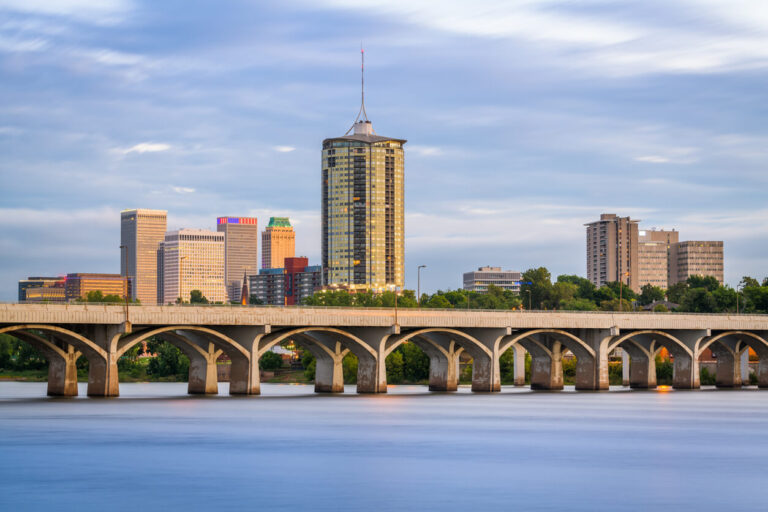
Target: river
x: 155, y: 448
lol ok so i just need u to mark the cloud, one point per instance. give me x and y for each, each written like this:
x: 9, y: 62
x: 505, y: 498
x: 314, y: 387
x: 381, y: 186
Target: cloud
x: 183, y: 190
x: 425, y: 150
x: 146, y: 147
x: 284, y: 149
x: 653, y: 159
x: 101, y: 12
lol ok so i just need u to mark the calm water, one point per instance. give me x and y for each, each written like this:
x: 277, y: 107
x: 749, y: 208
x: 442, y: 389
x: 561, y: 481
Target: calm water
x: 154, y: 448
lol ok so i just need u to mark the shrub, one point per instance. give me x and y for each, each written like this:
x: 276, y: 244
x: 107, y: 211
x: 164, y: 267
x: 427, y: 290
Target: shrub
x: 706, y: 378
x: 271, y: 361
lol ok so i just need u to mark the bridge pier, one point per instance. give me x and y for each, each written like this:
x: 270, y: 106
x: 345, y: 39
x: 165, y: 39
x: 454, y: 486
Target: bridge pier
x: 641, y: 362
x: 443, y: 353
x: 103, y: 377
x: 519, y: 364
x: 329, y: 371
x: 728, y: 369
x: 546, y: 363
x: 591, y: 368
x: 62, y: 373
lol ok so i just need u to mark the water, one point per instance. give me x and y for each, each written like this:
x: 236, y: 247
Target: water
x: 155, y: 448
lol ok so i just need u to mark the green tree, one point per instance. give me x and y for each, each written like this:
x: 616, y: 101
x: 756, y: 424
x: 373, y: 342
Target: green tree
x: 604, y: 293
x: 271, y: 361
x: 747, y: 281
x: 585, y: 287
x: 650, y: 294
x: 709, y: 282
x: 578, y: 305
x: 507, y: 366
x: 698, y: 300
x: 197, y: 297
x: 615, y: 305
x: 725, y: 297
x: 394, y: 363
x: 170, y: 362
x: 676, y: 292
x: 562, y: 292
x: 349, y: 367
x: 255, y: 301
x: 660, y: 308
x: 415, y: 362
x: 540, y: 288
x: 437, y: 300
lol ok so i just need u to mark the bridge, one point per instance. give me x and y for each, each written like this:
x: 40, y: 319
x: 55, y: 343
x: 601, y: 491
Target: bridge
x: 104, y: 333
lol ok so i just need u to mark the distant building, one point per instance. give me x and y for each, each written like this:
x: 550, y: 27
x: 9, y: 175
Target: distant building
x: 42, y: 289
x: 612, y: 251
x: 278, y: 241
x: 141, y: 232
x: 241, y: 251
x: 192, y: 259
x: 286, y: 286
x: 78, y: 285
x: 654, y: 247
x: 696, y: 258
x: 478, y: 280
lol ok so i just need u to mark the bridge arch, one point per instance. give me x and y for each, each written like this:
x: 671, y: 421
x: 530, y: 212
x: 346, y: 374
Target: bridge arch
x: 356, y: 345
x: 465, y: 341
x: 221, y: 341
x: 572, y: 342
x: 754, y: 341
x: 83, y: 344
x: 668, y: 342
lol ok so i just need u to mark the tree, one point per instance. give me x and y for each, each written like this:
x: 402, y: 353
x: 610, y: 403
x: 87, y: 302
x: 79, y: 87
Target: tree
x: 605, y: 293
x: 709, y: 282
x: 437, y: 301
x: 585, y: 287
x: 255, y: 301
x: 394, y: 363
x: 562, y: 292
x: 615, y: 305
x: 725, y: 297
x: 197, y: 297
x: 698, y: 300
x: 621, y: 288
x: 578, y: 304
x: 271, y: 361
x: 415, y: 362
x: 650, y: 294
x: 747, y: 281
x: 677, y: 291
x: 540, y: 288
x: 170, y: 361
x: 660, y: 308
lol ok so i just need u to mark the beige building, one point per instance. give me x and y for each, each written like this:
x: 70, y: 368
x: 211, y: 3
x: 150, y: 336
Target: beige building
x: 696, y: 258
x: 653, y: 252
x: 278, y: 241
x: 141, y: 232
x: 77, y: 286
x: 478, y: 280
x: 612, y: 251
x: 192, y: 259
x: 241, y: 251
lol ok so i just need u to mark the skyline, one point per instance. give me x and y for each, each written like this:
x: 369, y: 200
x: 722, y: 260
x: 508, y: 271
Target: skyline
x: 207, y: 113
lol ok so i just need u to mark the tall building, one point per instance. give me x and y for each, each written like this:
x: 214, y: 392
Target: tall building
x: 193, y: 259
x: 278, y: 241
x: 141, y: 232
x: 286, y: 286
x: 653, y: 251
x: 612, y: 251
x: 241, y: 251
x: 362, y: 208
x: 478, y: 280
x: 78, y: 285
x: 696, y: 258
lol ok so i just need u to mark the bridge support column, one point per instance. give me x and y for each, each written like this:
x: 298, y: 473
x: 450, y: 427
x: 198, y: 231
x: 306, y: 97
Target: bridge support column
x: 686, y: 365
x: 592, y: 370
x: 624, y: 368
x: 642, y: 363
x: 744, y: 364
x: 244, y: 377
x: 203, y: 377
x: 443, y: 372
x: 728, y: 370
x: 519, y: 364
x: 103, y: 378
x: 546, y: 366
x: 371, y: 365
x: 329, y: 372
x: 62, y: 373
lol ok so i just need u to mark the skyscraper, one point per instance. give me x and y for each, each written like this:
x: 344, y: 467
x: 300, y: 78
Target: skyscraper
x: 278, y: 242
x: 654, y: 246
x: 241, y: 251
x: 696, y: 258
x: 362, y: 208
x: 612, y: 251
x: 193, y: 259
x: 141, y: 232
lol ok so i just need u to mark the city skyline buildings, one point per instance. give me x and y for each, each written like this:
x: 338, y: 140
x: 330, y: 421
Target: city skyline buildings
x: 141, y: 232
x: 241, y: 251
x: 192, y: 259
x: 278, y: 241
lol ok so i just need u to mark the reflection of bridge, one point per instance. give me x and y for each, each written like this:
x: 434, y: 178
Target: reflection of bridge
x: 101, y: 333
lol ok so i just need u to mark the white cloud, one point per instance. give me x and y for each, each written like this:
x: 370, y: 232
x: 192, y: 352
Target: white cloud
x: 284, y: 149
x: 146, y: 147
x: 15, y: 45
x: 102, y: 12
x: 183, y: 190
x: 425, y: 150
x: 653, y: 159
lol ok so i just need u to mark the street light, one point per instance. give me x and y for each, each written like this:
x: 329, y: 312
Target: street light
x: 418, y: 282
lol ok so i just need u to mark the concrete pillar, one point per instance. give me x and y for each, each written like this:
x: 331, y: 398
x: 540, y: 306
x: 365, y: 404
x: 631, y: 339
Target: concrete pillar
x: 485, y: 374
x: 642, y: 362
x: 686, y: 365
x: 591, y: 368
x: 62, y: 373
x: 203, y: 377
x: 329, y: 372
x: 371, y: 356
x: 244, y: 377
x: 762, y: 372
x: 624, y: 368
x: 519, y: 364
x: 728, y: 370
x: 103, y: 377
x: 744, y: 363
x: 443, y: 372
x: 546, y: 367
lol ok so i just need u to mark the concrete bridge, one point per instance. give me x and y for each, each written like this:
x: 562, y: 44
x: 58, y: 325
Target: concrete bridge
x: 104, y: 333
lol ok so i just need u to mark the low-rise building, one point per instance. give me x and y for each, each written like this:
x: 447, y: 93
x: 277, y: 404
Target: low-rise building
x: 78, y: 285
x: 50, y: 284
x: 286, y: 286
x: 478, y: 280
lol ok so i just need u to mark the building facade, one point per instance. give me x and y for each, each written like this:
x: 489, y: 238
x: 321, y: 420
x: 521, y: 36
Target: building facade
x: 696, y: 258
x: 363, y: 210
x: 241, y: 251
x: 42, y: 289
x: 141, y: 233
x: 612, y: 251
x: 654, y: 247
x: 78, y: 285
x: 478, y: 280
x: 278, y: 241
x: 192, y: 259
x: 286, y: 286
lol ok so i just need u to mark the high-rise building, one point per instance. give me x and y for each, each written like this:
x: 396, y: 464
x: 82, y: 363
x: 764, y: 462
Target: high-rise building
x: 362, y: 208
x: 193, y: 259
x: 278, y: 241
x: 612, y: 251
x: 653, y: 250
x: 78, y: 285
x: 241, y: 244
x: 286, y: 286
x: 478, y: 280
x: 696, y: 258
x: 141, y: 232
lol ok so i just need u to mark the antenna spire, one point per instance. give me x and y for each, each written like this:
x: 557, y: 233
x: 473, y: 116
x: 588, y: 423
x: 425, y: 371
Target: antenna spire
x: 362, y: 116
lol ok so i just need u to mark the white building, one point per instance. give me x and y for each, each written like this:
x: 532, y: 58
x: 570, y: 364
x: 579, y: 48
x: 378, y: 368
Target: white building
x: 478, y: 280
x: 192, y: 259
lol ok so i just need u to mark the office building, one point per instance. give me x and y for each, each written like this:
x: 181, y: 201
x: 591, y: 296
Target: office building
x: 286, y: 286
x: 141, y: 232
x: 78, y: 285
x: 362, y: 208
x: 192, y: 259
x: 653, y: 251
x: 278, y: 241
x: 612, y: 251
x: 478, y: 280
x: 42, y: 289
x: 241, y: 251
x: 696, y: 258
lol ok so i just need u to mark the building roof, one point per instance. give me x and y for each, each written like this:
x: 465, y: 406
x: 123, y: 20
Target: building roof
x: 368, y: 139
x: 279, y: 222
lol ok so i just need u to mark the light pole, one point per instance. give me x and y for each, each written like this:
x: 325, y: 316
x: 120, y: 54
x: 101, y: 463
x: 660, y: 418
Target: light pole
x: 737, y: 298
x: 125, y: 296
x: 529, y: 298
x: 418, y: 282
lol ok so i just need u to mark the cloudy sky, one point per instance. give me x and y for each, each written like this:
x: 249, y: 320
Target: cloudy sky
x: 525, y: 120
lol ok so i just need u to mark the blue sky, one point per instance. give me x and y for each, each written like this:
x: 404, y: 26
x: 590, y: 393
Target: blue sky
x: 524, y: 120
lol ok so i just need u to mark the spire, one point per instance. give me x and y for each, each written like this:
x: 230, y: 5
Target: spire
x: 244, y: 293
x: 362, y: 124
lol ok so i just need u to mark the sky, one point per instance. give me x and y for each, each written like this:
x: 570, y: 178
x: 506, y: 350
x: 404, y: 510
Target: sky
x: 525, y: 120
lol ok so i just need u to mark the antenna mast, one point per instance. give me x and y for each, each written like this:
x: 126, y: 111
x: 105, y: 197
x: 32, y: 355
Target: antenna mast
x: 362, y: 116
